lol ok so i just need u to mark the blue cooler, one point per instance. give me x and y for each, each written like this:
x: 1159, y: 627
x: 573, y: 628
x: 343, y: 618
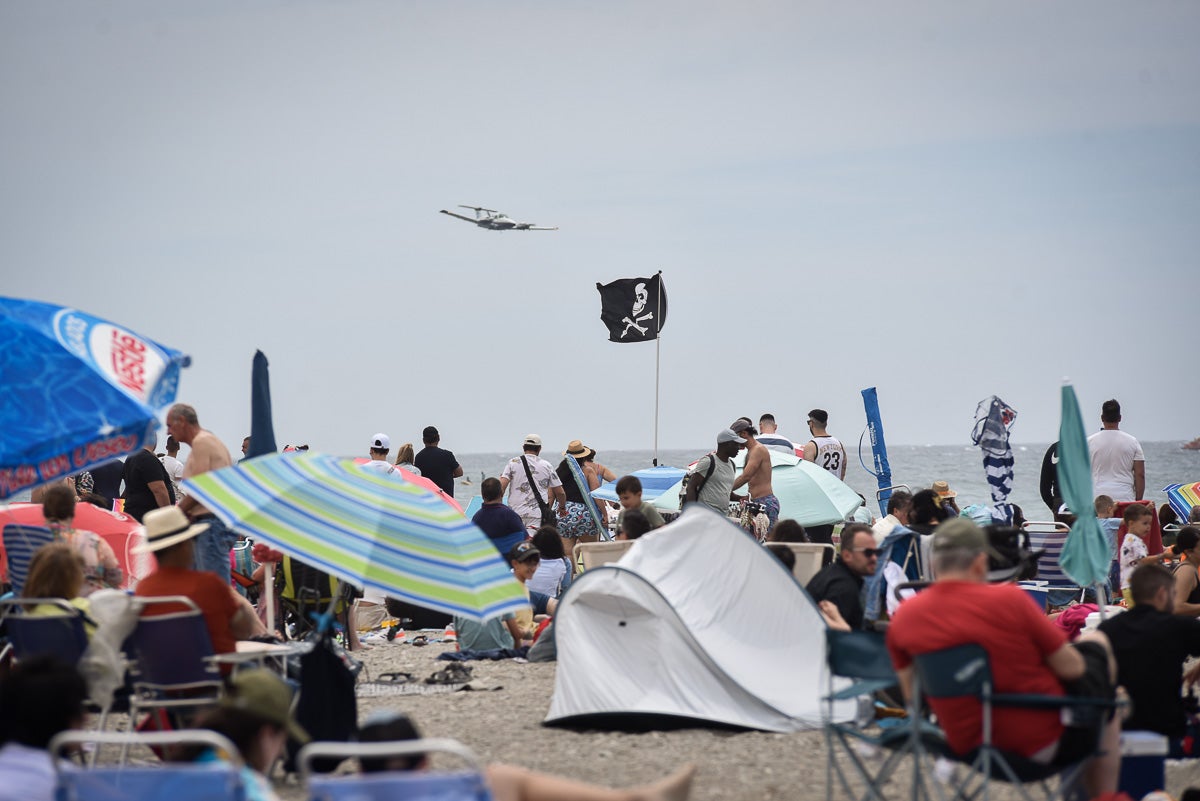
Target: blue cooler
x: 1039, y: 591
x: 1143, y: 762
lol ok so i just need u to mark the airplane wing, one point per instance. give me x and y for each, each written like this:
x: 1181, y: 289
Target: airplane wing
x: 460, y: 216
x: 532, y: 227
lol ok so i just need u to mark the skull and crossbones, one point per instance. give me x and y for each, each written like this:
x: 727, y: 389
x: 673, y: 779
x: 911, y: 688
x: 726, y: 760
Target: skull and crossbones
x: 639, y: 305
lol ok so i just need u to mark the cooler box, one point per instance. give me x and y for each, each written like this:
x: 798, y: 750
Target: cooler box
x: 1143, y: 763
x: 1039, y: 591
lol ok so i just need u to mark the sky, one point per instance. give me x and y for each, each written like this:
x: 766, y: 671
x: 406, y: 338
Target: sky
x: 943, y: 200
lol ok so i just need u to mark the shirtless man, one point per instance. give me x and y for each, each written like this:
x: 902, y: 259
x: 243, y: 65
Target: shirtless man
x: 757, y: 472
x: 208, y: 453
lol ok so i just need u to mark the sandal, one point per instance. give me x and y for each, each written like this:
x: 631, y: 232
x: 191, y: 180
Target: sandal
x: 453, y: 673
x: 420, y: 639
x: 395, y: 678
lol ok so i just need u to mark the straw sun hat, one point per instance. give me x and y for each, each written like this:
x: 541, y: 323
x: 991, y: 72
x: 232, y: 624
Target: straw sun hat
x: 577, y: 449
x: 165, y: 527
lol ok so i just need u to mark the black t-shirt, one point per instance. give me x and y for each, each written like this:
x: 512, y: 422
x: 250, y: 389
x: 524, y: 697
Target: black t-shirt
x: 141, y: 469
x: 570, y: 488
x: 106, y: 479
x: 842, y: 586
x: 1150, y: 647
x: 437, y: 465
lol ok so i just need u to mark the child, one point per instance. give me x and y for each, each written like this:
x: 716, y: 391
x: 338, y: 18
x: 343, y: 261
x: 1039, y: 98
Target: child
x: 629, y: 491
x: 1133, y: 547
x: 633, y: 525
x: 1110, y: 526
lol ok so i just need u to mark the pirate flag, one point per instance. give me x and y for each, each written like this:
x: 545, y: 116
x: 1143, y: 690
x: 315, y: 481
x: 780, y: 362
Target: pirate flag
x: 633, y: 309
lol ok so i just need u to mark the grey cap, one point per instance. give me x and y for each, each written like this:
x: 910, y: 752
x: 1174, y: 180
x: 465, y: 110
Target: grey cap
x: 727, y: 435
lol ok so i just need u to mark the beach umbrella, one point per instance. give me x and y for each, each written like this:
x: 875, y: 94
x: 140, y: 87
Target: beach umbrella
x: 365, y: 528
x: 262, y: 429
x: 400, y: 474
x: 78, y: 391
x: 1085, y: 556
x: 655, y: 481
x: 993, y: 419
x: 118, y: 529
x: 1183, y: 497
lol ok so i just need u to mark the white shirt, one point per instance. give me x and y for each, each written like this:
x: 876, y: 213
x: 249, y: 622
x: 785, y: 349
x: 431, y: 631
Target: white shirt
x: 520, y: 497
x: 548, y: 576
x: 378, y: 465
x: 1113, y: 454
x: 26, y: 774
x: 831, y: 455
x: 174, y: 470
x: 777, y: 442
x: 883, y: 526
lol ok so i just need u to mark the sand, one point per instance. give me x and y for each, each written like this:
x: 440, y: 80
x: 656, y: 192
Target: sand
x: 505, y: 726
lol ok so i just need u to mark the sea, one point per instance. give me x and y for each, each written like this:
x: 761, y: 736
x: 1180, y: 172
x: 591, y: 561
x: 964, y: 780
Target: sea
x: 914, y: 465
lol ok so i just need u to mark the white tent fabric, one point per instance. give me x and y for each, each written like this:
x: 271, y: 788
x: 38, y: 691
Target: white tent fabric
x: 697, y: 621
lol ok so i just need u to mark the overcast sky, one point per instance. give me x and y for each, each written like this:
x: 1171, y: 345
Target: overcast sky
x: 945, y: 200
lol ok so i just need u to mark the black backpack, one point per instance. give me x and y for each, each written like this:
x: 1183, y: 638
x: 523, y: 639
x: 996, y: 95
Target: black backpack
x: 327, y: 708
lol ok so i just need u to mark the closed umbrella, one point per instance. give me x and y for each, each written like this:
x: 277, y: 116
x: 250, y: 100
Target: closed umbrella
x: 1085, y: 556
x: 365, y: 528
x: 78, y: 391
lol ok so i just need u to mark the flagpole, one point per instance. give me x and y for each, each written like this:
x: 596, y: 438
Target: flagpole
x: 657, y: 353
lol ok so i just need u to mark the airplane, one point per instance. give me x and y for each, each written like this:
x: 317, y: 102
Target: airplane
x: 493, y: 220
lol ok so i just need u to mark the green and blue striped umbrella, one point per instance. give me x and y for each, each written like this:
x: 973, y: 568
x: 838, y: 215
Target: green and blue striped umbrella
x: 363, y: 527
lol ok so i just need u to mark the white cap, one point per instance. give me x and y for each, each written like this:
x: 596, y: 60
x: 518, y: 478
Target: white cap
x: 380, y: 442
x: 533, y: 440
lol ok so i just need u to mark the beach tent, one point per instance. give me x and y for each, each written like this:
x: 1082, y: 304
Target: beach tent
x: 696, y: 622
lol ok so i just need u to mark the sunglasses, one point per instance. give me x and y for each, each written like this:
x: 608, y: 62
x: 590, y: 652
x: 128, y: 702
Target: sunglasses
x: 868, y: 552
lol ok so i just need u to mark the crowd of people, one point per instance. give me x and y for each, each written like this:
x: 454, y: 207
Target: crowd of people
x: 535, y: 513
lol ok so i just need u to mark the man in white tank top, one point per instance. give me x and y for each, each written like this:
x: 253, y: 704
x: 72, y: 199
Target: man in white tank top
x: 823, y: 450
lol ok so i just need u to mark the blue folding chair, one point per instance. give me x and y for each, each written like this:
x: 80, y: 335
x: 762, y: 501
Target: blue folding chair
x: 176, y: 781
x: 462, y: 785
x: 58, y: 633
x: 173, y: 667
x: 860, y: 667
x: 20, y: 543
x: 965, y: 671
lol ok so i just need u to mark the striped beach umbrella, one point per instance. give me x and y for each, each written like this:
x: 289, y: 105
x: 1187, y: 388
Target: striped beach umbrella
x: 1183, y: 497
x: 368, y: 529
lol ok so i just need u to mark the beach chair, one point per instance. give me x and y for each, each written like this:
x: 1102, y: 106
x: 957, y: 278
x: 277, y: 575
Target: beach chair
x: 174, y: 667
x: 859, y: 667
x: 59, y: 633
x: 461, y: 785
x: 810, y: 558
x: 175, y: 781
x: 20, y: 542
x: 1051, y: 536
x: 305, y: 592
x: 965, y: 670
x: 593, y: 554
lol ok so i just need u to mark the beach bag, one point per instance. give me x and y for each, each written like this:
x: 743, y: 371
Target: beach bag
x: 327, y: 708
x: 548, y: 516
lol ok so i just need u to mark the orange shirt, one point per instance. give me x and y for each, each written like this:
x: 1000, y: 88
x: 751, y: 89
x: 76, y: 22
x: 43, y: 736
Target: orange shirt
x: 212, y: 595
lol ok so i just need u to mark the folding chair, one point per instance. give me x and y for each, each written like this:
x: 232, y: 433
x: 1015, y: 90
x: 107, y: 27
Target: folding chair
x: 173, y: 666
x: 20, y: 542
x: 593, y: 554
x: 462, y: 785
x: 1051, y: 536
x: 965, y: 670
x: 810, y: 558
x: 305, y: 591
x: 859, y: 667
x: 59, y: 633
x: 177, y: 781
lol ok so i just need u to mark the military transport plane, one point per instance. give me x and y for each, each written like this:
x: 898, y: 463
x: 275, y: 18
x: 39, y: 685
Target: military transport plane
x: 494, y: 220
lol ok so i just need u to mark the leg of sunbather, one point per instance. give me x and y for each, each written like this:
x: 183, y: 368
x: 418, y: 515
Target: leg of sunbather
x: 512, y: 783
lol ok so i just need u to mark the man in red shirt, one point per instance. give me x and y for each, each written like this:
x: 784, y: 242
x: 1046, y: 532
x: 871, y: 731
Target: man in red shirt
x: 229, y: 616
x: 1028, y: 654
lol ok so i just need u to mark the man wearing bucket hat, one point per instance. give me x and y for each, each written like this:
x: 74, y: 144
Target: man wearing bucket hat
x: 1028, y: 654
x: 171, y: 537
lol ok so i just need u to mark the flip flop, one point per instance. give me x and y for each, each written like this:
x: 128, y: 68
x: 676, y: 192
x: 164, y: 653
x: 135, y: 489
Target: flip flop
x: 395, y: 678
x: 420, y: 639
x: 453, y: 673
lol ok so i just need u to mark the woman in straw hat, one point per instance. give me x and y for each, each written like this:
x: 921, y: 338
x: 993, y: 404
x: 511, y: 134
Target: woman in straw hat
x: 578, y: 525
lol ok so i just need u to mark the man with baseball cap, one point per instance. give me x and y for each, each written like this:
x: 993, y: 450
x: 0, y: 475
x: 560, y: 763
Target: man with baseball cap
x: 711, y: 480
x: 1028, y: 654
x: 436, y: 463
x: 756, y: 475
x: 171, y: 538
x: 378, y: 450
x: 533, y: 487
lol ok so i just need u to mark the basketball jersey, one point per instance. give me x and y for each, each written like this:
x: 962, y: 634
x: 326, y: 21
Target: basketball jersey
x: 831, y: 455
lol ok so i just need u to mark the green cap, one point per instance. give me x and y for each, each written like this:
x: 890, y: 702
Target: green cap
x: 961, y: 532
x: 262, y: 693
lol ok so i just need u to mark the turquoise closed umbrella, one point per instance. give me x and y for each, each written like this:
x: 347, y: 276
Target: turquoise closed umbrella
x: 1085, y: 556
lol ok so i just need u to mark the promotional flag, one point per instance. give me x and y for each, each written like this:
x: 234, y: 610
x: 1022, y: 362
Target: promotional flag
x: 633, y: 309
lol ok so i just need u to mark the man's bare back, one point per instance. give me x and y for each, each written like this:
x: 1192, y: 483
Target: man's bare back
x: 208, y: 453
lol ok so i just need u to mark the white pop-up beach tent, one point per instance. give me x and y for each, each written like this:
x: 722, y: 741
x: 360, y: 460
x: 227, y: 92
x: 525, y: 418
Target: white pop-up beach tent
x: 697, y: 621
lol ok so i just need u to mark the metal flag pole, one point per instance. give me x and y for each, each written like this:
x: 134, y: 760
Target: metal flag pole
x: 657, y: 352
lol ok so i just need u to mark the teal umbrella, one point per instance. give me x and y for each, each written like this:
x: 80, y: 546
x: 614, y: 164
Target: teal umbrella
x: 1085, y: 557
